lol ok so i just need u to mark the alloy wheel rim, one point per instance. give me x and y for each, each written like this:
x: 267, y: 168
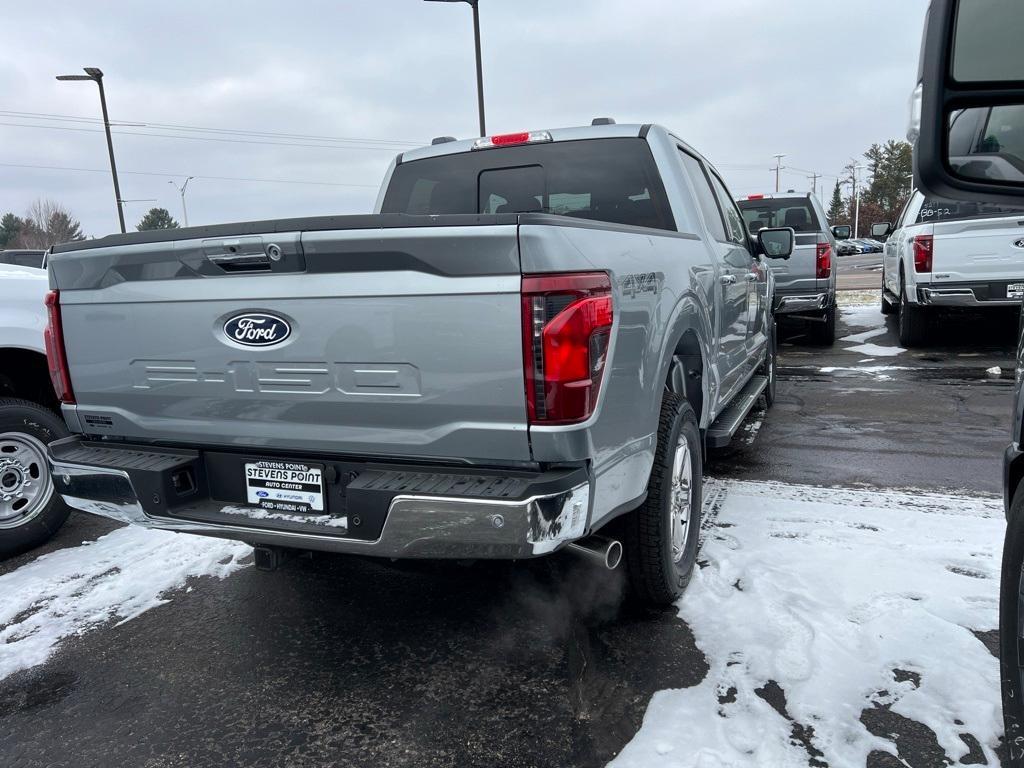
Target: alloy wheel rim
x: 681, y: 497
x: 25, y: 482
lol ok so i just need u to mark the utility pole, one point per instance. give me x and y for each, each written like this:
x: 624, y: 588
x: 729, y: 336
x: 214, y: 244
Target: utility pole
x: 777, y: 168
x: 814, y: 182
x: 181, y: 190
x: 856, y: 194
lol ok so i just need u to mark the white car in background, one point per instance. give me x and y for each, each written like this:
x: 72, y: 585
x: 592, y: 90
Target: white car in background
x: 30, y: 512
x: 942, y: 253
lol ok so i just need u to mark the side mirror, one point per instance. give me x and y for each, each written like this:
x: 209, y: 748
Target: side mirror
x: 776, y: 242
x: 842, y: 231
x: 967, y: 113
x: 882, y: 229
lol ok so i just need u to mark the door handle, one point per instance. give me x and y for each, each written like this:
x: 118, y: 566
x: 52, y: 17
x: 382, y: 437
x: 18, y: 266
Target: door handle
x: 750, y: 277
x: 727, y: 279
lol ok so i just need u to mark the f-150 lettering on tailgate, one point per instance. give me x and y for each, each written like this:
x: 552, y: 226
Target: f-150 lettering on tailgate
x: 381, y: 379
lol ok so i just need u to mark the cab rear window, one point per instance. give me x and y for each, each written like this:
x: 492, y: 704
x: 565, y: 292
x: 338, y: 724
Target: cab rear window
x: 795, y: 212
x: 934, y: 209
x: 613, y: 180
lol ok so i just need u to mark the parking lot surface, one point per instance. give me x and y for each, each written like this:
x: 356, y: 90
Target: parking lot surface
x: 356, y: 662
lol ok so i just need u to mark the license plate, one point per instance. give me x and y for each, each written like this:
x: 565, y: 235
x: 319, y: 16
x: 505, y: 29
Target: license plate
x: 1015, y: 291
x: 285, y: 486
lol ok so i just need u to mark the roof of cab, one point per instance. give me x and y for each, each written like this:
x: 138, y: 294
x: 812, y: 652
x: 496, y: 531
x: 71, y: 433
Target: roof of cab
x: 628, y: 130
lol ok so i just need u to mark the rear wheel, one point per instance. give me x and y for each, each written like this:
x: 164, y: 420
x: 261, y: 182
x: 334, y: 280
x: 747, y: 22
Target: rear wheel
x: 912, y: 321
x: 660, y: 537
x: 30, y: 511
x: 825, y: 333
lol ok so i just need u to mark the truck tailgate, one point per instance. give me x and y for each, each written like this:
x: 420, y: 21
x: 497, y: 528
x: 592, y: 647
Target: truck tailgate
x: 978, y: 249
x: 401, y: 342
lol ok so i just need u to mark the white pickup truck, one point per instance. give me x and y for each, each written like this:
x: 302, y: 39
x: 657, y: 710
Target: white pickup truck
x: 942, y: 253
x: 30, y: 512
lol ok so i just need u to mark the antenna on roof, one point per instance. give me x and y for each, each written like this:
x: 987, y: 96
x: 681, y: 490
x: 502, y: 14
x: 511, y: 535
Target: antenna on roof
x: 603, y: 121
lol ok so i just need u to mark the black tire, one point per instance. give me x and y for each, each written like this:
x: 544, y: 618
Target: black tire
x: 888, y: 307
x: 656, y: 577
x: 825, y: 333
x: 1010, y: 661
x: 24, y: 427
x: 769, y: 366
x: 912, y: 322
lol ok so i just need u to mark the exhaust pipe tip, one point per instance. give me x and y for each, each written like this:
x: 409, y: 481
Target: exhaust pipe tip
x: 607, y: 552
x: 613, y: 555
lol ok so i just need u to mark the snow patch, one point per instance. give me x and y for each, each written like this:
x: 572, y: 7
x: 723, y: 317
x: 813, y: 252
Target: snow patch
x: 118, y: 576
x: 876, y: 350
x: 995, y: 370
x: 837, y: 590
x: 864, y: 335
x: 869, y: 316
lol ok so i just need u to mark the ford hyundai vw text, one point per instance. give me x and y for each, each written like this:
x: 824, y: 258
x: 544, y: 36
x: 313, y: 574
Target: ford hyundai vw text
x: 532, y: 340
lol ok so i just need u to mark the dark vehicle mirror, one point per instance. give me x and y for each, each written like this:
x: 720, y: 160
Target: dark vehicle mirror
x: 882, y: 229
x: 776, y: 242
x: 967, y: 120
x: 842, y: 231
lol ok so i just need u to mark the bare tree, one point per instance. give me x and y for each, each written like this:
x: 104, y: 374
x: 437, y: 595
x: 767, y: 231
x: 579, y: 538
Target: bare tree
x: 47, y: 223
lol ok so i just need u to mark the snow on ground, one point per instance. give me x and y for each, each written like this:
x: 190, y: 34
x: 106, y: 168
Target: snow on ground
x: 118, y: 576
x: 847, y: 600
x: 857, y: 298
x: 876, y: 350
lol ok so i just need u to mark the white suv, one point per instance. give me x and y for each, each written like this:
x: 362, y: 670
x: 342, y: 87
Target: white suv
x: 943, y: 253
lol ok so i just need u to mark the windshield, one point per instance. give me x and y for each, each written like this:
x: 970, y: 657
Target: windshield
x: 612, y: 180
x: 795, y: 212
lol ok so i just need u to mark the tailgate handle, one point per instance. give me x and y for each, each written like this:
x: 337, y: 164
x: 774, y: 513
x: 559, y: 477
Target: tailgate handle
x: 241, y: 262
x: 245, y: 254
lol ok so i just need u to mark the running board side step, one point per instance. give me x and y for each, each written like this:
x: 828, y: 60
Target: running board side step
x: 719, y: 434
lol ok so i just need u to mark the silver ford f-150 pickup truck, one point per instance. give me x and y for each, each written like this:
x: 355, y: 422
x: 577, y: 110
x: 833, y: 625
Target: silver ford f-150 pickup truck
x: 532, y: 339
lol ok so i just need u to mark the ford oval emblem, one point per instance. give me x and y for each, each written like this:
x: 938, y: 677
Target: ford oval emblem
x: 257, y: 329
x: 1018, y: 243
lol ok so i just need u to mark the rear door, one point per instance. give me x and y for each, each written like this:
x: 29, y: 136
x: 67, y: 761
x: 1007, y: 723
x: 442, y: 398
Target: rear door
x: 371, y: 342
x: 733, y: 288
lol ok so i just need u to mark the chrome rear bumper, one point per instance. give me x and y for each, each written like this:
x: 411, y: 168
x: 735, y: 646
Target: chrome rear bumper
x: 416, y: 525
x: 802, y: 303
x: 960, y: 297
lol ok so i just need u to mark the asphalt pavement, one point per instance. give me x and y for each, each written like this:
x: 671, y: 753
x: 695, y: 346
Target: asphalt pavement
x: 354, y: 662
x: 859, y: 271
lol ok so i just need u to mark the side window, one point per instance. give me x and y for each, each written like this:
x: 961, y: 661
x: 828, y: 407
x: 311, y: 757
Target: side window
x: 733, y: 220
x: 705, y: 197
x: 902, y: 218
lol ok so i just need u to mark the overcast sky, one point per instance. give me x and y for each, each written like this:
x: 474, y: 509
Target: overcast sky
x: 740, y: 80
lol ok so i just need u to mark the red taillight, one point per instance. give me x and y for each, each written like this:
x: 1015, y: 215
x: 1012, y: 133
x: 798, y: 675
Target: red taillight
x: 567, y: 323
x: 823, y: 260
x: 755, y: 197
x: 56, y: 359
x: 923, y: 253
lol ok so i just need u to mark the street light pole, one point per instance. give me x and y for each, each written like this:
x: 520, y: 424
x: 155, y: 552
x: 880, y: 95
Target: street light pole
x: 182, y: 189
x: 94, y: 74
x: 856, y: 193
x: 479, y: 59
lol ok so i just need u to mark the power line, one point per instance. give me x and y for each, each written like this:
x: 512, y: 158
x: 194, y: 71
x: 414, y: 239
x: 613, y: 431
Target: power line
x: 206, y: 129
x: 204, y: 138
x: 196, y: 175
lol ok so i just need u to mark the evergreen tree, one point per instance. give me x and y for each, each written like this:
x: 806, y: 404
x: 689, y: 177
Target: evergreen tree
x: 836, y: 207
x: 10, y: 228
x: 157, y: 218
